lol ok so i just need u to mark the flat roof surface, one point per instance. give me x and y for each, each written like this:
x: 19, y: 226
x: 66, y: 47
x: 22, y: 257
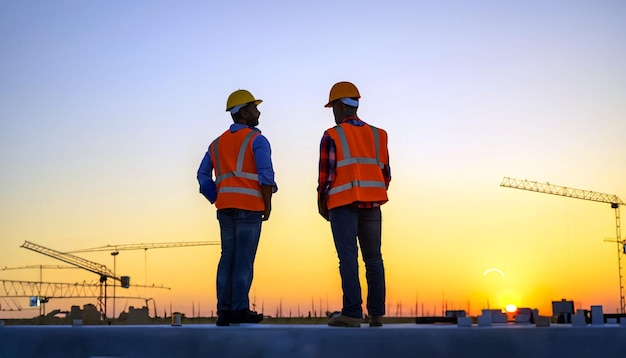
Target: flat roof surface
x: 291, y: 340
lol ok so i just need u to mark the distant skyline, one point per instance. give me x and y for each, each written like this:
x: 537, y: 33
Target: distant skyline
x: 107, y: 108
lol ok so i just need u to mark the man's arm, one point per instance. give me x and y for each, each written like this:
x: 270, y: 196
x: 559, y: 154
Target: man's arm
x: 386, y: 167
x: 205, y: 178
x: 326, y: 174
x: 265, y: 170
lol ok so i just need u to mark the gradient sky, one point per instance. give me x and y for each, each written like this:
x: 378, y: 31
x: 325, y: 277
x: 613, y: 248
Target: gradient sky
x: 107, y: 108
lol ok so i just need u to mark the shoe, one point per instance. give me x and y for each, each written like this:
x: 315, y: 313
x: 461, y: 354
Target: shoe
x: 246, y: 316
x: 223, y: 318
x: 344, y: 321
x: 376, y: 321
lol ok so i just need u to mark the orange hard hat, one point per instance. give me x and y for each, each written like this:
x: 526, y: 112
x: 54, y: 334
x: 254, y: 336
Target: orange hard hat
x: 342, y: 90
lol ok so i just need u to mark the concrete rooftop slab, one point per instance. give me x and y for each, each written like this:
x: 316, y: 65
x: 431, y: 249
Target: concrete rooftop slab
x: 294, y: 341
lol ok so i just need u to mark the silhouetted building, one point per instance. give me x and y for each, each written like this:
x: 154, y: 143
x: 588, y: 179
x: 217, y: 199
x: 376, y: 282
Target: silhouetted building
x: 89, y: 314
x: 456, y: 313
x: 137, y: 315
x: 563, y: 310
x: 526, y: 315
x: 497, y: 316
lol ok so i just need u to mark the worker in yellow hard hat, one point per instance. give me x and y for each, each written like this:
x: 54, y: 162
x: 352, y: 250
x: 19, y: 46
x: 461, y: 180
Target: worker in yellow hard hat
x: 242, y: 193
x: 354, y: 175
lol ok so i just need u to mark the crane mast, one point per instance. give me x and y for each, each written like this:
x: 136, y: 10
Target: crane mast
x: 611, y: 199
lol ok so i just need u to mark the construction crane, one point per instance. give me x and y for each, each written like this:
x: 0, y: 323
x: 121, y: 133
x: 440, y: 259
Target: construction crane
x: 115, y: 250
x: 44, y: 291
x: 142, y: 246
x: 42, y: 308
x: 90, y: 266
x: 611, y: 199
x: 40, y: 267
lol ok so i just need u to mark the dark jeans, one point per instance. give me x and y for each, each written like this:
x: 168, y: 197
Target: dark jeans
x: 240, y: 231
x: 349, y: 223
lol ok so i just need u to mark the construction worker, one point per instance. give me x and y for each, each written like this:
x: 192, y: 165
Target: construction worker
x: 242, y: 193
x: 354, y: 175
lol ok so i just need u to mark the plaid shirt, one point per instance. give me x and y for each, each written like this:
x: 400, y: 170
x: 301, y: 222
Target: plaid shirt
x: 328, y: 165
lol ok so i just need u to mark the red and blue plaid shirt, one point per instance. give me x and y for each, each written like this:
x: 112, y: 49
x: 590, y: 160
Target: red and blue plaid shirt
x: 328, y: 165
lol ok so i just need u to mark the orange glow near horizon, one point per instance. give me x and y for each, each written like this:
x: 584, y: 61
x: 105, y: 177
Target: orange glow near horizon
x: 297, y: 271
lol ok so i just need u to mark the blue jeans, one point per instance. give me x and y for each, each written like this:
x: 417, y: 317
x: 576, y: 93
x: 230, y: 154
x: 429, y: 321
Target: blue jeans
x: 349, y: 223
x: 240, y: 231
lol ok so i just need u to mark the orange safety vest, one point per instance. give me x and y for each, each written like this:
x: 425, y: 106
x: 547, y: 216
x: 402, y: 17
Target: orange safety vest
x: 361, y: 155
x: 237, y: 179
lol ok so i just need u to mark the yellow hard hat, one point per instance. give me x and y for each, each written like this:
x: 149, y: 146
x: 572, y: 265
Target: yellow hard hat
x: 342, y: 90
x: 240, y: 97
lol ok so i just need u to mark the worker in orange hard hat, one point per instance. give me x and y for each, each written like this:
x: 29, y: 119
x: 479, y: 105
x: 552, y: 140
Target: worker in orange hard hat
x: 242, y: 193
x: 343, y: 90
x: 354, y: 175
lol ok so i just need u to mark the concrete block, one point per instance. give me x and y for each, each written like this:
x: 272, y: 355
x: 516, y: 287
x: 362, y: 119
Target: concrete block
x: 464, y: 321
x: 578, y: 320
x: 522, y: 318
x: 177, y: 319
x: 499, y: 317
x: 496, y: 316
x: 543, y: 321
x: 611, y: 320
x: 484, y: 320
x: 77, y: 322
x: 597, y: 317
x: 1, y: 322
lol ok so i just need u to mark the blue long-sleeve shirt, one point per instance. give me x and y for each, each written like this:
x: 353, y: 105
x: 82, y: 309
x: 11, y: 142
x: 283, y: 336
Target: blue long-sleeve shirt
x: 262, y: 158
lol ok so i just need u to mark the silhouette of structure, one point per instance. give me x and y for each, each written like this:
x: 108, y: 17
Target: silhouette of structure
x: 85, y: 264
x: 115, y: 250
x: 612, y: 199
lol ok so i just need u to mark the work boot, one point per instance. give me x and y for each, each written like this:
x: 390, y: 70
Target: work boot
x: 223, y: 318
x: 376, y: 321
x: 344, y: 321
x: 246, y: 316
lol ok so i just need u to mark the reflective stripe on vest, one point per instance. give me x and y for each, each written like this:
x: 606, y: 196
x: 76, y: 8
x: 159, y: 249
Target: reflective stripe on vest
x: 357, y: 183
x: 348, y: 159
x: 238, y: 172
x: 358, y: 178
x: 237, y: 181
x: 234, y: 189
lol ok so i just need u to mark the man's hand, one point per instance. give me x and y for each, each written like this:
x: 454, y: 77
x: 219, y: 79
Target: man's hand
x: 322, y: 208
x: 266, y: 193
x: 266, y: 213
